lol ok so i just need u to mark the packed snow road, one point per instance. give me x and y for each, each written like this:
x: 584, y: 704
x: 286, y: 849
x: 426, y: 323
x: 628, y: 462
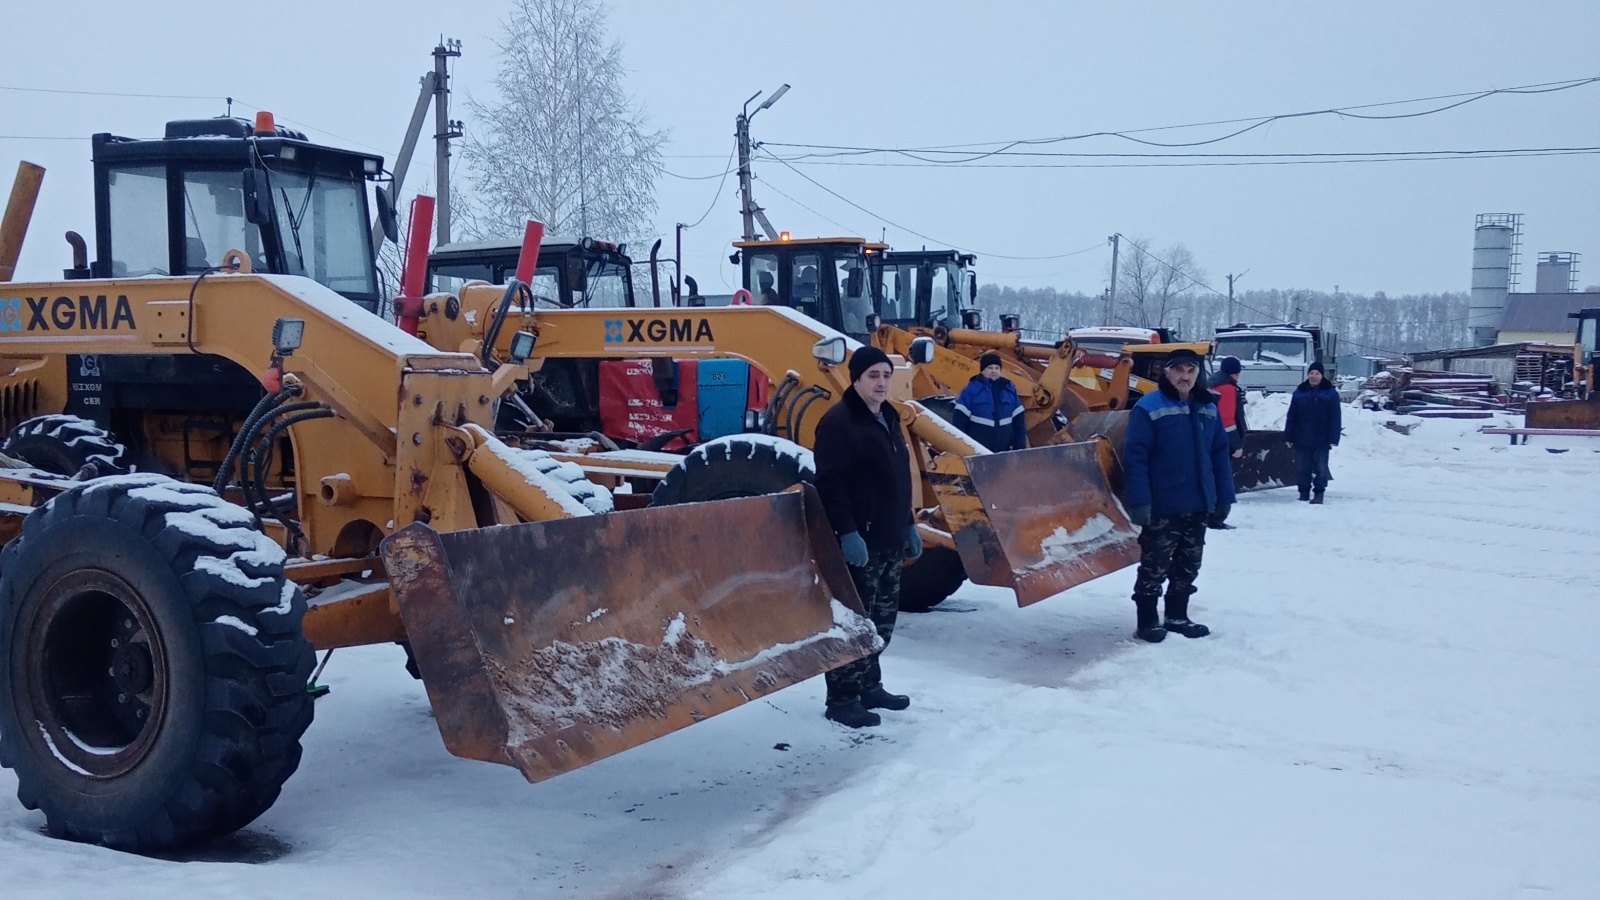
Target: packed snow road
x: 1398, y: 701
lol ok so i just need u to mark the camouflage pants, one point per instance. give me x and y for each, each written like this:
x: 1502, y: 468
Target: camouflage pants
x: 1170, y: 551
x: 878, y: 584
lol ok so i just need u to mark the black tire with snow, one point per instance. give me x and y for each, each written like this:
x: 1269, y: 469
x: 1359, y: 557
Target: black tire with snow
x: 735, y: 466
x: 152, y: 691
x: 930, y: 580
x: 64, y: 445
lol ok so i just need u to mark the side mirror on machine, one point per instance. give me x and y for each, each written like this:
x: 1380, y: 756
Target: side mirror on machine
x: 578, y: 275
x: 257, y: 197
x: 387, y: 220
x: 922, y: 351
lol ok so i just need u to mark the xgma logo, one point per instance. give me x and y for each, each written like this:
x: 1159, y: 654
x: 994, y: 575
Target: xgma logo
x: 614, y: 331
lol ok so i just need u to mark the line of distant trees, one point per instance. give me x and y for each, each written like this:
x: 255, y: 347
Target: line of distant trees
x: 1170, y: 290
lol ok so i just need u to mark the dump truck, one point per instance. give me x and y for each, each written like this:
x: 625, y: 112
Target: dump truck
x: 232, y: 431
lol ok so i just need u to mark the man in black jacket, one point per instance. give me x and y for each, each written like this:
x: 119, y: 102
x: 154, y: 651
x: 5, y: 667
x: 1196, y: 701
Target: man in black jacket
x: 864, y: 478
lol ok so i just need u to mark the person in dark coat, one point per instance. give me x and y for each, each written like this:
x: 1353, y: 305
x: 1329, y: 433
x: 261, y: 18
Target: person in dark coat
x: 1177, y: 474
x: 989, y: 409
x: 864, y: 479
x: 1230, y: 404
x: 1313, y: 429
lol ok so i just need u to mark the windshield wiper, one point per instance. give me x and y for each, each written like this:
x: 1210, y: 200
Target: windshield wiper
x: 296, y: 218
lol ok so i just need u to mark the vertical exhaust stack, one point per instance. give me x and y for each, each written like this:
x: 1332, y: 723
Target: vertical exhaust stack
x: 1494, y: 243
x: 19, y: 211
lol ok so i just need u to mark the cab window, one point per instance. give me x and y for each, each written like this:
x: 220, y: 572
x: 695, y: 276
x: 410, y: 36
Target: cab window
x: 214, y: 222
x: 139, y: 244
x: 764, y: 279
x: 806, y: 279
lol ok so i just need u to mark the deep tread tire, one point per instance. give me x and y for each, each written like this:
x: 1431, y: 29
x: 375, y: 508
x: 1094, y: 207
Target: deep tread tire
x: 225, y: 733
x: 929, y: 581
x: 735, y: 466
x: 64, y: 445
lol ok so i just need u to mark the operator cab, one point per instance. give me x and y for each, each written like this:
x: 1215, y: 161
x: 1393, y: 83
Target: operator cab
x: 824, y: 278
x: 924, y: 288
x: 572, y: 272
x: 174, y: 206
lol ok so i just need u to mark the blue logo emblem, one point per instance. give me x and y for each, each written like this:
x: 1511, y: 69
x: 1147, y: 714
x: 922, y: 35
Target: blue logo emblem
x: 11, y: 314
x: 613, y: 330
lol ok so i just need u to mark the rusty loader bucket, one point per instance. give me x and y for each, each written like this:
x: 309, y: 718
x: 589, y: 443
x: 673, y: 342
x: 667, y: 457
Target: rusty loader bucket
x: 1039, y: 521
x: 1268, y: 461
x: 549, y: 645
x: 1564, y: 414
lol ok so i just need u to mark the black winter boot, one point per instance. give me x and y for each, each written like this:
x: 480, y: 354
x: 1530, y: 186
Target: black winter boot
x: 1149, y: 625
x: 1178, y: 618
x: 1316, y: 498
x: 878, y: 698
x: 851, y: 714
x: 1305, y: 493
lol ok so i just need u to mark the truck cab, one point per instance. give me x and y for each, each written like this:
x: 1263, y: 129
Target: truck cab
x: 828, y: 279
x: 923, y: 288
x: 175, y: 205
x: 1276, y: 357
x: 571, y: 272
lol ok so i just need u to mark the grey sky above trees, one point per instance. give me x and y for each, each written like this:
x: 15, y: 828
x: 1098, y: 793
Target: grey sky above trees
x: 922, y: 74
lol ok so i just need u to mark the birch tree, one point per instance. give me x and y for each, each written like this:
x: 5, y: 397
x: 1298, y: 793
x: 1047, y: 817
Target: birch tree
x: 563, y: 142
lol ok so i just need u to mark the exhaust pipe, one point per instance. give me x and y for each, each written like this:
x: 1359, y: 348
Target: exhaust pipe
x: 14, y: 227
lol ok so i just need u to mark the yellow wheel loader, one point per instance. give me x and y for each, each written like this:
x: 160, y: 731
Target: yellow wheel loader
x: 231, y: 432
x: 1039, y: 521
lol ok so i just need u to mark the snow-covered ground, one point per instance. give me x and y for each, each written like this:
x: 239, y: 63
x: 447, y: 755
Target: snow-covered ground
x: 1399, y: 701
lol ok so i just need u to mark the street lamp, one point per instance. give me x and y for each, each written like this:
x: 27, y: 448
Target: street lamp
x: 749, y: 211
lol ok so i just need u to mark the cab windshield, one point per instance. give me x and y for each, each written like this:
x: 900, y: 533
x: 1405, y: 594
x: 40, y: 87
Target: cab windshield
x: 1280, y: 350
x: 607, y: 288
x: 322, y: 224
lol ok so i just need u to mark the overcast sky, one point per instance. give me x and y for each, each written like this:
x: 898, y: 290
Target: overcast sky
x: 919, y: 74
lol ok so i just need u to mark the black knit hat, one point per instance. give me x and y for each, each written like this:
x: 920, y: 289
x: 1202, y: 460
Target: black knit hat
x: 988, y: 359
x: 864, y: 359
x: 1316, y: 367
x: 1231, y: 365
x: 1182, y: 356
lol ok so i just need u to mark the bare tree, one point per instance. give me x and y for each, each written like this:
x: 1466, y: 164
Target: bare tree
x: 1156, y: 290
x: 563, y: 143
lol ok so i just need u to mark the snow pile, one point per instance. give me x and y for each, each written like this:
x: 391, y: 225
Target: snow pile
x: 1065, y: 547
x: 576, y: 498
x: 610, y: 681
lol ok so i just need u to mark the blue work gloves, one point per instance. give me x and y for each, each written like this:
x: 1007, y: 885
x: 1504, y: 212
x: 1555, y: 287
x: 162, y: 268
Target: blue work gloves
x: 855, y: 549
x: 913, y: 542
x: 1139, y: 515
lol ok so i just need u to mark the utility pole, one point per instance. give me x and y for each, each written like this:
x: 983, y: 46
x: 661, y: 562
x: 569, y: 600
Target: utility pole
x: 1231, y: 280
x: 408, y: 148
x: 1111, y: 296
x: 741, y: 133
x: 444, y: 130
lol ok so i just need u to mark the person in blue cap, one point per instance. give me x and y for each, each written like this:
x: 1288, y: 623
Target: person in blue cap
x: 1177, y: 475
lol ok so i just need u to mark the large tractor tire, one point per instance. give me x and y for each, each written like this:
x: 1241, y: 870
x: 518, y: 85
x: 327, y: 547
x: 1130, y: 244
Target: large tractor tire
x: 65, y: 445
x: 740, y: 465
x: 929, y: 581
x: 153, y: 683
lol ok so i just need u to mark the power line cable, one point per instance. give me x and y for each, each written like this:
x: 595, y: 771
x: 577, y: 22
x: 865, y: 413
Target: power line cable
x: 1207, y: 160
x: 919, y: 234
x: 720, y: 186
x: 1254, y: 122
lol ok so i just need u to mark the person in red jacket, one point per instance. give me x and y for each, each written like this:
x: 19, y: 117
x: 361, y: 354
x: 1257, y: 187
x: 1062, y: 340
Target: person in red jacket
x: 1230, y: 403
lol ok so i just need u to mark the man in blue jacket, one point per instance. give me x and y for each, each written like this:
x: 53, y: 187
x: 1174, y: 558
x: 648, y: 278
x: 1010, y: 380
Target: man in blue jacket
x: 1313, y: 428
x: 1177, y: 475
x: 989, y: 410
